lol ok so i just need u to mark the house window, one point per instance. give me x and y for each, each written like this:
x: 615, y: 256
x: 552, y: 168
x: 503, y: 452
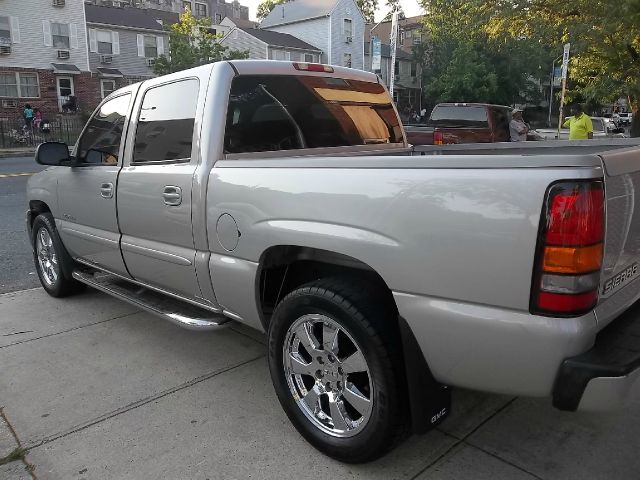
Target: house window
x: 347, y: 27
x: 414, y: 69
x: 309, y: 57
x: 150, y: 46
x: 396, y: 68
x: 29, y: 85
x: 346, y: 60
x: 278, y: 54
x: 19, y: 85
x: 107, y: 87
x: 417, y: 37
x: 402, y: 37
x: 218, y: 18
x: 104, y: 39
x: 201, y: 10
x: 186, y: 6
x: 5, y: 28
x: 60, y: 35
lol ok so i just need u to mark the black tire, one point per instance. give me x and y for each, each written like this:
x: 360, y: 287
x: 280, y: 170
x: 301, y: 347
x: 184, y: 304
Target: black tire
x: 64, y: 284
x: 363, y: 311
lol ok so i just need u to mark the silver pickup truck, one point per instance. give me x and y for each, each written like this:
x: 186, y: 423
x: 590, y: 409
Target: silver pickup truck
x: 284, y: 196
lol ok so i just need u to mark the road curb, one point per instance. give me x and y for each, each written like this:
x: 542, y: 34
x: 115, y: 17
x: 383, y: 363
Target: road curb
x: 17, y: 153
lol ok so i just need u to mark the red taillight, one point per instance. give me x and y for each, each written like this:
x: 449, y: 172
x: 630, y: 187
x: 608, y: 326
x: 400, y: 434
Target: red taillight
x: 570, y: 249
x: 312, y: 67
x: 438, y: 138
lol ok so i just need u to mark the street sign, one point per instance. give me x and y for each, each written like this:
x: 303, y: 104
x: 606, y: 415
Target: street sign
x: 376, y: 54
x: 565, y: 60
x: 557, y: 76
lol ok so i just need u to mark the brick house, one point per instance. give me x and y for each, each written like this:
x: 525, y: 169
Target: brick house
x: 43, y: 57
x: 124, y: 43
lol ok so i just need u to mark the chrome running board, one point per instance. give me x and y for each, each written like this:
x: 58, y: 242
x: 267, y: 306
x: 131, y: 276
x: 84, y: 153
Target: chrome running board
x: 180, y: 313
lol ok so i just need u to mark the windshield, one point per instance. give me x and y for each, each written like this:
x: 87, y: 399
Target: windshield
x: 462, y: 115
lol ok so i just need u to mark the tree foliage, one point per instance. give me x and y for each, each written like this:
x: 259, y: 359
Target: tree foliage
x: 368, y: 9
x: 191, y: 44
x: 604, y: 37
x: 265, y: 8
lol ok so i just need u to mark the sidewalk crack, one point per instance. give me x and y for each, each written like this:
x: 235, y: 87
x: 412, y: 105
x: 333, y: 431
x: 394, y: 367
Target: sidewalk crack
x: 29, y: 467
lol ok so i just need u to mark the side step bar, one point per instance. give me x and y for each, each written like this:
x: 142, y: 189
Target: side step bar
x: 180, y: 313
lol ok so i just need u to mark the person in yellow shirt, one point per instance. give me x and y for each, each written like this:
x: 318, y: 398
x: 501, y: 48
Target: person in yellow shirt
x: 580, y: 126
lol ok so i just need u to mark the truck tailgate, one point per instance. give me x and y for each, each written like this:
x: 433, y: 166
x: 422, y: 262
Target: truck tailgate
x: 619, y: 286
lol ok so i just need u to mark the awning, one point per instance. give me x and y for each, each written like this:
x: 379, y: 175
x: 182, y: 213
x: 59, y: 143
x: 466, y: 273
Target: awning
x: 109, y: 72
x: 65, y: 68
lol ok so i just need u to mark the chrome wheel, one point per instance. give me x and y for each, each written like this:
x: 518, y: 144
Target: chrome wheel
x: 47, y: 260
x: 328, y: 375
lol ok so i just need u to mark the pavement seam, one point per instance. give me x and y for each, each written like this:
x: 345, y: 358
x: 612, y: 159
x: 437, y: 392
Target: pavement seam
x: 498, y: 457
x: 248, y: 336
x: 140, y: 403
x: 462, y: 440
x: 69, y: 330
x: 29, y: 467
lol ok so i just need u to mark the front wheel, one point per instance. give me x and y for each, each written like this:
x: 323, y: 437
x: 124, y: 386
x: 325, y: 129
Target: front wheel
x: 53, y: 263
x: 332, y: 362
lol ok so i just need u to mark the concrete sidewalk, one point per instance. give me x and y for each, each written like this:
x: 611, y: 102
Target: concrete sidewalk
x: 95, y: 389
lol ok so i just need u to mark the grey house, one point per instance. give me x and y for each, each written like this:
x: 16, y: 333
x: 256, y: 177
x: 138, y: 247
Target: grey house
x: 407, y: 74
x: 124, y: 43
x: 336, y: 27
x: 270, y: 45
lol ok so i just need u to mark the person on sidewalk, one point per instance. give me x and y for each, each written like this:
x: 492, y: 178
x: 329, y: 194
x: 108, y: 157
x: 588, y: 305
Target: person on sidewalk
x: 27, y: 113
x: 37, y: 118
x: 517, y: 128
x: 580, y: 126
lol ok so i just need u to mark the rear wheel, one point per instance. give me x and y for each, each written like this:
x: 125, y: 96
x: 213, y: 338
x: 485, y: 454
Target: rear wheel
x: 332, y: 362
x: 53, y: 263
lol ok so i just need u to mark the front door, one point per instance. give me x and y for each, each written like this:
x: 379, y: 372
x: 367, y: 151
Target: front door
x: 154, y: 188
x: 87, y: 191
x: 66, y: 90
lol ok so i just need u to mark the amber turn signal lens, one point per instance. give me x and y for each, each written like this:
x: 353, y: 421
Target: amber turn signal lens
x: 572, y: 260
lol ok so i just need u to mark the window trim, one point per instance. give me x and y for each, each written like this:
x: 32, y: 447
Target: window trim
x: 206, y: 9
x: 68, y: 37
x: 101, y: 30
x: 144, y: 46
x: 141, y: 95
x: 18, y: 85
x: 8, y: 17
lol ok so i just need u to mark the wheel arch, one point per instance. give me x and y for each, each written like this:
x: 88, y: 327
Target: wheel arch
x: 36, y: 207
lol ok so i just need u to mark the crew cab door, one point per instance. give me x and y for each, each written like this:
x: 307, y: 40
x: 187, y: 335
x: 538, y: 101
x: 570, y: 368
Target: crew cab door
x: 154, y: 187
x: 87, y: 191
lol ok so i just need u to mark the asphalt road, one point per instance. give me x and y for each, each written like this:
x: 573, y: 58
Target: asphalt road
x: 17, y: 271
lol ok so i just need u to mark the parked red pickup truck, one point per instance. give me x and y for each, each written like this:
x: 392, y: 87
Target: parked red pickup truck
x: 462, y: 123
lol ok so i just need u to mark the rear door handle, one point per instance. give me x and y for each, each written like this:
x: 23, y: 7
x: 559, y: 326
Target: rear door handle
x: 106, y: 190
x: 172, y: 195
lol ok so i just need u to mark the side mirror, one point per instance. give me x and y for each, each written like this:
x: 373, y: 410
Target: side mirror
x: 53, y: 153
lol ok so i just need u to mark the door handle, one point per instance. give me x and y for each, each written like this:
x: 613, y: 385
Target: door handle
x: 106, y: 190
x: 172, y: 195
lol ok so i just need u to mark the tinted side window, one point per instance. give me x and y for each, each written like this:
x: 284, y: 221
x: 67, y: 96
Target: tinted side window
x: 269, y: 113
x: 100, y: 142
x: 165, y: 126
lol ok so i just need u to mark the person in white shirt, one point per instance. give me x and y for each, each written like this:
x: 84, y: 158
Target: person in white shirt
x: 517, y: 128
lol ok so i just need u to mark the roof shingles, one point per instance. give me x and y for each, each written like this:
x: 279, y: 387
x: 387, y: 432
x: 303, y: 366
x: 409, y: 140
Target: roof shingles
x: 277, y: 39
x: 129, y: 17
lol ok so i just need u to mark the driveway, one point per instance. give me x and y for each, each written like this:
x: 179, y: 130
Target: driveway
x: 95, y: 389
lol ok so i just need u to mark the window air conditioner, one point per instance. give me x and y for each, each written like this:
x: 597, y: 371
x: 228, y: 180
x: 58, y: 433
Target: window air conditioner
x: 58, y: 3
x: 106, y: 59
x: 64, y: 54
x: 151, y: 62
x: 5, y: 48
x: 9, y: 103
x: 348, y: 39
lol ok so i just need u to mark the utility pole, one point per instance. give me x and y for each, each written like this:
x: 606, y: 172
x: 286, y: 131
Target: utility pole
x: 565, y: 68
x: 394, y: 41
x: 553, y: 79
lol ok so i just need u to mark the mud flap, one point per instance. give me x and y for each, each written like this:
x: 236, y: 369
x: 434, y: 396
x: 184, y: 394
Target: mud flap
x: 430, y: 401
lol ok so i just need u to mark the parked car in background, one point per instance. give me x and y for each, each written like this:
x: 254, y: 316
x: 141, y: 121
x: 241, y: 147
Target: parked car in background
x: 602, y: 128
x: 452, y: 123
x: 622, y: 119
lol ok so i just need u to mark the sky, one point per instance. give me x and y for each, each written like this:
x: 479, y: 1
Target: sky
x: 410, y: 8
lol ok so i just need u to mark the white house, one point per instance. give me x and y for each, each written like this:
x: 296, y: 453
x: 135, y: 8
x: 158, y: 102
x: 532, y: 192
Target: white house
x: 336, y: 27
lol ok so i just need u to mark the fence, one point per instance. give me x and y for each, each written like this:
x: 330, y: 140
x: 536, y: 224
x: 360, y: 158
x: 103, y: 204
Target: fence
x: 15, y: 134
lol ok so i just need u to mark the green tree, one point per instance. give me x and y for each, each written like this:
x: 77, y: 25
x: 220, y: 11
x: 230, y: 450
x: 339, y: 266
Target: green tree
x: 502, y: 70
x: 191, y: 45
x: 265, y: 8
x: 368, y: 8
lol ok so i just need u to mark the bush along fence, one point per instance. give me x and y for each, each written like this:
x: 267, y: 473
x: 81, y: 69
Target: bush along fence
x: 16, y: 134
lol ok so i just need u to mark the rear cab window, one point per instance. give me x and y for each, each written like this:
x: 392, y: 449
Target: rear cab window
x: 288, y: 112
